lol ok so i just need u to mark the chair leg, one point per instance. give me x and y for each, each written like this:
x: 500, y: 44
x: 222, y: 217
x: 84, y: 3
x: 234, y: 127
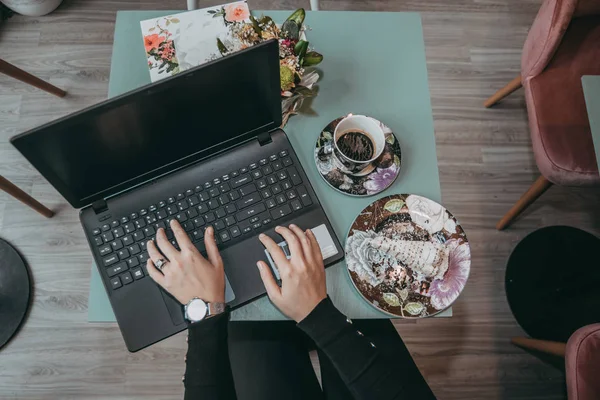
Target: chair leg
x: 26, y: 77
x: 26, y: 199
x: 545, y: 346
x: 536, y: 190
x: 502, y: 93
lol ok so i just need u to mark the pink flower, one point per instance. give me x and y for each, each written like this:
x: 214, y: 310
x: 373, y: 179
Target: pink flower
x: 445, y: 291
x: 381, y: 179
x: 236, y: 12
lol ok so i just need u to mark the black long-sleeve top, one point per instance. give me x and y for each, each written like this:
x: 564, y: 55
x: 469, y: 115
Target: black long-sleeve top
x: 361, y: 365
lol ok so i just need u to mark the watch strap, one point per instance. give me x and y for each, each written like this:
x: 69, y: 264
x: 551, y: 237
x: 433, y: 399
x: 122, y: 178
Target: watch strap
x: 216, y: 308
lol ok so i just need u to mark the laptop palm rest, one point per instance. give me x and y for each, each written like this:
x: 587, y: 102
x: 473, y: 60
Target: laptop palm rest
x: 176, y: 310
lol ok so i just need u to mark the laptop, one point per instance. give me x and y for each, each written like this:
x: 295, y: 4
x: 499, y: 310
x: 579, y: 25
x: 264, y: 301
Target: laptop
x: 203, y: 147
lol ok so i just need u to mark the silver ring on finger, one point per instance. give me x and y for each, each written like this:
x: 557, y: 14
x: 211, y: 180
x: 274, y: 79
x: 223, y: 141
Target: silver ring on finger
x: 160, y: 263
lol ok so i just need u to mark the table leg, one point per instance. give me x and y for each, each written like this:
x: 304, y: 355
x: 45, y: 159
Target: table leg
x: 26, y: 77
x: 26, y: 199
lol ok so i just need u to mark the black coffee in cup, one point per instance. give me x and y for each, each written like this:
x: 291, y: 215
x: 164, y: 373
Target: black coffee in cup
x: 356, y: 145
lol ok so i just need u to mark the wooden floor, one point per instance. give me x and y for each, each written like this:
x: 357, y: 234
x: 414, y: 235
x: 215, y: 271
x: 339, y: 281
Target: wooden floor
x: 485, y: 160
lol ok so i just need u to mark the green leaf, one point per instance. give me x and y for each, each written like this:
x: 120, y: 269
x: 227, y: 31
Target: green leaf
x: 265, y: 20
x: 175, y: 20
x: 168, y: 23
x: 312, y: 58
x: 300, y: 49
x: 403, y: 294
x: 255, y: 25
x: 212, y: 11
x: 394, y: 206
x: 297, y: 16
x: 290, y: 30
x: 222, y: 49
x: 152, y: 29
x: 390, y: 139
x: 391, y: 299
x: 414, y: 308
x: 396, y: 160
x: 327, y: 135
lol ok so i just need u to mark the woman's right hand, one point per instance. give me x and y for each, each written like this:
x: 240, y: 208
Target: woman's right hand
x: 302, y: 276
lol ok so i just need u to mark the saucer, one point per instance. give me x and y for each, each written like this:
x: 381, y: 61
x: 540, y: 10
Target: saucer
x: 373, y: 179
x: 408, y: 256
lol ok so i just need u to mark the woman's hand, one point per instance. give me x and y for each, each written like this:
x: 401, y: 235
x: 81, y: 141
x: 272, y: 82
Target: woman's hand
x: 187, y: 274
x: 302, y: 276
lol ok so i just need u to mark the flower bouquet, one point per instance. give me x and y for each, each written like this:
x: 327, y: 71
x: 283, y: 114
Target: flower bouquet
x: 295, y: 58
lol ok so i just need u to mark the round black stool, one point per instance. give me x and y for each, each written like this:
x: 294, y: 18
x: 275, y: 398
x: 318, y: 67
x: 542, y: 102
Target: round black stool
x: 553, y: 282
x: 14, y: 291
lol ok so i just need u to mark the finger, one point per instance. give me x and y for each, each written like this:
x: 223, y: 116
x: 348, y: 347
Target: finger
x: 153, y: 252
x: 164, y: 245
x: 304, y: 243
x: 316, y: 249
x: 266, y: 275
x: 182, y: 238
x: 275, y: 251
x: 212, y: 251
x: 292, y: 241
x: 155, y: 274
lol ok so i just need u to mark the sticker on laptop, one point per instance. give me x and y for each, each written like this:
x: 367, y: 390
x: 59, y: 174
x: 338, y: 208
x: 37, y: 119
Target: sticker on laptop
x: 326, y: 244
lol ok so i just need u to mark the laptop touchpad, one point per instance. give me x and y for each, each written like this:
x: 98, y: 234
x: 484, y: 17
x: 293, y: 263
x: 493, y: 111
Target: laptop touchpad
x: 176, y: 309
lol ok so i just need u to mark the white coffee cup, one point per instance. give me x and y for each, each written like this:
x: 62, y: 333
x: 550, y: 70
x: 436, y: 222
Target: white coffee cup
x: 365, y: 125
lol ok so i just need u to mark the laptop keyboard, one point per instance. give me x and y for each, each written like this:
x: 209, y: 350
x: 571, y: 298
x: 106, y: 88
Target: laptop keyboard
x: 236, y: 204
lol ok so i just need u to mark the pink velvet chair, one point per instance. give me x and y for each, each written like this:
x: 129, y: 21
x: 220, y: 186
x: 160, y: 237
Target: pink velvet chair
x: 582, y: 360
x: 562, y: 45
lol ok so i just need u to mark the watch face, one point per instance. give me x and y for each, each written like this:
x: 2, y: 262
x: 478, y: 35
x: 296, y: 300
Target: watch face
x: 196, y: 310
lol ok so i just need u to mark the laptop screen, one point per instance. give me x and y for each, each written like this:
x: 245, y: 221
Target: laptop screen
x: 158, y: 128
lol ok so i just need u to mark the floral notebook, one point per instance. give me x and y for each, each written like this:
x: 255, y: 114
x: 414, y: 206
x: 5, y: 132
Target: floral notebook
x: 179, y: 42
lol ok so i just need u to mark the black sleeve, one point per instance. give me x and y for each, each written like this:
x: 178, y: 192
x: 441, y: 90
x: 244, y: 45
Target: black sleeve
x: 368, y: 373
x: 208, y: 373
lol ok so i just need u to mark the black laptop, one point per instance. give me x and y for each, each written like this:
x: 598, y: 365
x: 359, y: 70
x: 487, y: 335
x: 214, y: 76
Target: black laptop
x: 203, y: 147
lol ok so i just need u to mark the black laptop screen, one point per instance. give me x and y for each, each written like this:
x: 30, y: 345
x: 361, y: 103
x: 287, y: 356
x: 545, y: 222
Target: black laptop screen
x: 116, y: 144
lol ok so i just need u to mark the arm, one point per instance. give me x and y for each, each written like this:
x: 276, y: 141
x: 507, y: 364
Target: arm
x: 366, y: 370
x: 187, y: 275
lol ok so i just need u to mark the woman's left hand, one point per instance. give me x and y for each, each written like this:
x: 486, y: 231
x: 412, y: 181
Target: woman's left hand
x: 187, y: 274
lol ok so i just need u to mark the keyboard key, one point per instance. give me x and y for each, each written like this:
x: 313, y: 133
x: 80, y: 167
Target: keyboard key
x: 133, y: 262
x: 234, y: 174
x: 180, y: 196
x: 198, y: 188
x: 123, y: 254
x: 96, y: 231
x: 304, y: 196
x: 224, y: 188
x: 188, y: 226
x: 287, y: 162
x: 234, y: 195
x: 291, y: 194
x: 254, y: 219
x: 266, y: 221
x: 261, y: 184
x: 221, y: 213
x: 115, y: 282
x: 235, y: 231
x: 189, y: 192
x: 126, y: 278
x: 127, y: 240
x: 271, y: 179
x: 243, y: 170
x: 143, y: 244
x: 277, y: 165
x: 191, y: 213
x: 250, y: 212
x: 296, y: 205
x: 171, y: 200
x: 271, y: 203
x: 240, y: 181
x: 286, y: 185
x: 207, y: 185
x: 105, y: 227
x: 104, y: 250
x: 276, y: 188
x: 253, y: 166
x: 162, y: 203
x: 129, y: 228
x: 134, y: 249
x: 149, y: 231
x: 108, y: 237
x: 198, y: 235
x: 210, y: 217
x: 204, y: 196
x: 214, y: 192
x: 98, y: 241
x: 160, y: 224
x: 170, y: 234
x: 117, y: 244
x: 213, y: 204
x: 265, y: 193
x: 247, y: 229
x: 294, y: 176
x: 282, y: 175
x: 140, y: 223
x: 110, y: 260
x: 281, y: 211
x: 181, y: 217
x: 219, y: 225
x: 267, y: 170
x: 224, y: 235
x: 152, y: 208
x: 216, y: 181
x: 250, y: 188
x: 143, y: 257
x: 263, y: 161
x: 150, y: 218
x: 172, y: 209
x: 139, y: 235
x: 230, y: 208
x: 280, y: 198
x: 193, y: 200
x: 230, y: 220
x: 247, y: 201
x: 225, y: 178
x: 143, y: 212
x: 273, y: 157
x: 114, y: 224
x: 202, y: 208
x: 283, y: 153
x: 223, y: 199
x: 256, y: 173
x: 198, y: 222
x: 162, y: 214
x: 256, y: 225
x: 119, y: 232
x: 182, y: 205
x: 137, y: 273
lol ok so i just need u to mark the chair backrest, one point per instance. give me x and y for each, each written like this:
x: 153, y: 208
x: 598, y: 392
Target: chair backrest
x: 192, y: 4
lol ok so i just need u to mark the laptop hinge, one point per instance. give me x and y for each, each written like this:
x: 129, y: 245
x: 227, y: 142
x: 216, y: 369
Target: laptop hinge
x: 264, y: 138
x: 99, y: 206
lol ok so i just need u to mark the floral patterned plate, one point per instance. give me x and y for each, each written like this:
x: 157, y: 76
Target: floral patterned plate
x: 373, y: 179
x: 408, y: 256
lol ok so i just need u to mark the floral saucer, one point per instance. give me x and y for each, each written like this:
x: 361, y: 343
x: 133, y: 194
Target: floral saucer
x: 373, y: 179
x: 408, y: 256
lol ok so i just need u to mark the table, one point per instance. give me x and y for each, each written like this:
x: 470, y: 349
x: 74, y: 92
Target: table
x: 382, y: 74
x: 591, y: 91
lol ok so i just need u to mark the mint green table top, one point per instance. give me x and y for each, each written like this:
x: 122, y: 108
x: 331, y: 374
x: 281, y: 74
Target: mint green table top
x: 375, y: 65
x: 591, y: 91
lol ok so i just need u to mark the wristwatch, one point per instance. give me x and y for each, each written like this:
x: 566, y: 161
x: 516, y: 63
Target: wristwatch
x: 197, y: 309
